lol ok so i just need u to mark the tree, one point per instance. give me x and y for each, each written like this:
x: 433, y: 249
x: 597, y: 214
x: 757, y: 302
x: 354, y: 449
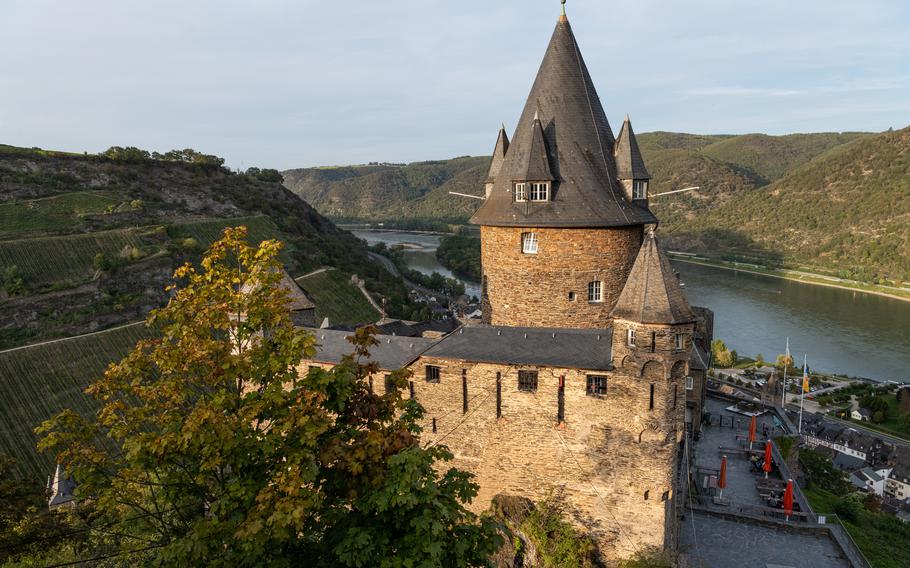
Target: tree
x: 225, y: 455
x: 785, y: 362
x: 759, y: 360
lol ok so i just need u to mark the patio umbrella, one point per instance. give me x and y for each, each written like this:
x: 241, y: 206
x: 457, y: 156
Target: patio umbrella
x: 788, y: 499
x: 751, y: 432
x: 722, y: 479
x: 767, y: 465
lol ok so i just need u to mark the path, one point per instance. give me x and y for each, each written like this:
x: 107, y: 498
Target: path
x: 72, y: 337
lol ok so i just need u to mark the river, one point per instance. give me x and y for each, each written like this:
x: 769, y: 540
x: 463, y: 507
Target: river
x: 841, y: 331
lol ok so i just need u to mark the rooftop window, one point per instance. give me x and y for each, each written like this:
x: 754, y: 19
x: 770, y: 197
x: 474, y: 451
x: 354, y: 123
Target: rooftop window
x: 639, y: 189
x: 520, y: 191
x: 540, y: 191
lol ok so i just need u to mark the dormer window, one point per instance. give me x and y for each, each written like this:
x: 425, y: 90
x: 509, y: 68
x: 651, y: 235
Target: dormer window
x: 521, y: 191
x: 540, y: 191
x: 639, y: 189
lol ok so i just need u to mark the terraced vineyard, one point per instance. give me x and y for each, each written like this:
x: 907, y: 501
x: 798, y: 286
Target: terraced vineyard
x: 337, y: 298
x: 54, y: 213
x: 46, y: 260
x: 259, y: 228
x: 38, y: 382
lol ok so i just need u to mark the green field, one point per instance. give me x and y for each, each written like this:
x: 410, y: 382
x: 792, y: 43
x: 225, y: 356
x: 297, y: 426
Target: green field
x: 38, y: 382
x: 60, y: 212
x: 338, y: 299
x: 47, y: 260
x: 884, y: 539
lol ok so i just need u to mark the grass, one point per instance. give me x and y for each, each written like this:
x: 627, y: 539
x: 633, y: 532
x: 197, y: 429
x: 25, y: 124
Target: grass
x: 338, y: 299
x: 259, y: 227
x: 38, y: 382
x: 884, y: 539
x: 54, y: 213
x: 46, y: 260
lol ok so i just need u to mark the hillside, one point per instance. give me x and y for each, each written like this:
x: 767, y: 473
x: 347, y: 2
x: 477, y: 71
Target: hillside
x: 846, y: 212
x: 414, y: 191
x: 89, y: 241
x: 828, y: 202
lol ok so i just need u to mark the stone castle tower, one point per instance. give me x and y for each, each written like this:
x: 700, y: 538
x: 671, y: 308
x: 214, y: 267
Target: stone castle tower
x: 566, y: 204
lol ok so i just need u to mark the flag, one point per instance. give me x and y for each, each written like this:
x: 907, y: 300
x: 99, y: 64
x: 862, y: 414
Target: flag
x: 805, y: 377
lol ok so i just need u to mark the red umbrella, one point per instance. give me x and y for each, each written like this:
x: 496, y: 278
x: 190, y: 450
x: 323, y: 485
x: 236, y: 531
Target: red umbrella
x: 767, y: 465
x: 788, y: 499
x: 722, y: 479
x: 751, y: 432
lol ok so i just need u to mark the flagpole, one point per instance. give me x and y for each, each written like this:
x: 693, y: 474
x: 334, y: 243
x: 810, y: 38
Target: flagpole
x: 783, y: 398
x: 802, y: 389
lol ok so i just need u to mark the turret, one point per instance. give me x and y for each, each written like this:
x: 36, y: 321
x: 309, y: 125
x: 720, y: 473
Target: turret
x: 653, y: 326
x: 631, y: 172
x: 499, y: 155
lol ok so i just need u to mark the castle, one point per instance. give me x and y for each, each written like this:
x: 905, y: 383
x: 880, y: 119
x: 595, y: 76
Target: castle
x: 588, y: 369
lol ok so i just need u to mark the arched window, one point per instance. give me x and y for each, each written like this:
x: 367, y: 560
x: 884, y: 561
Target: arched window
x: 596, y: 291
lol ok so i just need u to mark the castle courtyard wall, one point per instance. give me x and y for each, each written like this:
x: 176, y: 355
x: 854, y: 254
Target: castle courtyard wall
x: 612, y: 462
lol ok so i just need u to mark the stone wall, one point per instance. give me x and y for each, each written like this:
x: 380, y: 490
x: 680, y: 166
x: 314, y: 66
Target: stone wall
x: 533, y: 290
x: 613, y: 459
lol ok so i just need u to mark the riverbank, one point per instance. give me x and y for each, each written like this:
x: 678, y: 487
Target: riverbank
x: 797, y: 276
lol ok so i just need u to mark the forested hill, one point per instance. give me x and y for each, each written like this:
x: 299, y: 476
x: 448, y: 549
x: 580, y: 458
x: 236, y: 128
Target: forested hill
x: 418, y: 191
x: 89, y: 241
x: 748, y: 206
x: 847, y: 211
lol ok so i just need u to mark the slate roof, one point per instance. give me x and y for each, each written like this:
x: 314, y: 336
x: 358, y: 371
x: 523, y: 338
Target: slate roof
x: 629, y: 163
x: 698, y: 359
x: 531, y: 162
x: 499, y: 154
x: 297, y: 298
x: 652, y: 293
x: 579, y: 144
x: 392, y: 353
x: 589, y: 349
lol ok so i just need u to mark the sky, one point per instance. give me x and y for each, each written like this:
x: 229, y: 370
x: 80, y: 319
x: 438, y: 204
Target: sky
x: 286, y: 84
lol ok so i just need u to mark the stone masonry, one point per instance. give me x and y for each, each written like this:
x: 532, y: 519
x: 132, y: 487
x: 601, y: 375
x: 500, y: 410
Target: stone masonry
x: 533, y: 290
x: 612, y: 461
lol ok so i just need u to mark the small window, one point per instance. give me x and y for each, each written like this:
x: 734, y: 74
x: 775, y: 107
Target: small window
x: 433, y: 373
x: 639, y: 189
x: 596, y: 291
x: 651, y: 400
x: 540, y: 191
x: 521, y: 192
x: 529, y: 243
x: 389, y: 386
x: 674, y: 396
x: 597, y: 385
x: 630, y: 337
x: 647, y: 494
x: 653, y: 341
x: 527, y: 381
x: 571, y: 296
x: 680, y: 341
x: 690, y: 383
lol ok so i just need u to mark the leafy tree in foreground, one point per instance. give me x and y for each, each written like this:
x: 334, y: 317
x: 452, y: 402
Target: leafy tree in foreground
x: 224, y: 455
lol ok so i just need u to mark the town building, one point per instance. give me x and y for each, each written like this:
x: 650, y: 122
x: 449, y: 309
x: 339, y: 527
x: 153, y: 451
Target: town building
x: 589, y: 364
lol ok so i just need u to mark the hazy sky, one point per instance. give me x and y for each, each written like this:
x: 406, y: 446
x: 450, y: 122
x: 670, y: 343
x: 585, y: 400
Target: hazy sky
x: 298, y: 83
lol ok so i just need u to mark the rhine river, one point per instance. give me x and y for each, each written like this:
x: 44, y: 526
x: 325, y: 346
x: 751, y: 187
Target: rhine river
x: 841, y: 331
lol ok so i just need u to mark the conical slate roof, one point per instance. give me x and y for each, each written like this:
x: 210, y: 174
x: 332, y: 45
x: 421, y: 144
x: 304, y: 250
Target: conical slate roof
x: 652, y: 293
x: 531, y: 162
x: 629, y: 163
x: 499, y: 154
x: 579, y: 148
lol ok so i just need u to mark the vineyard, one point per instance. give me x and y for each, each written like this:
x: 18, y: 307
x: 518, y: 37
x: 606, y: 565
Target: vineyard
x: 38, y: 382
x: 337, y: 298
x: 259, y: 228
x: 54, y: 213
x: 47, y: 260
